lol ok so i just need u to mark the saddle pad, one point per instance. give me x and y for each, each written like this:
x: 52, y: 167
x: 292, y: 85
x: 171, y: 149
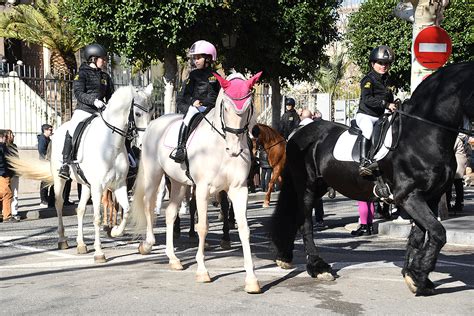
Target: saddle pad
x: 343, y: 148
x: 172, y: 133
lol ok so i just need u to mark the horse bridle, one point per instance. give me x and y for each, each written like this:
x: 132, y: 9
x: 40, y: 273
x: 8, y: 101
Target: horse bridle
x: 235, y: 131
x: 132, y: 130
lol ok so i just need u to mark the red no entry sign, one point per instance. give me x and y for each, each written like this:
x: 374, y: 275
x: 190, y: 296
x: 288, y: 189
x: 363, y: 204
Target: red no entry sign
x: 432, y: 47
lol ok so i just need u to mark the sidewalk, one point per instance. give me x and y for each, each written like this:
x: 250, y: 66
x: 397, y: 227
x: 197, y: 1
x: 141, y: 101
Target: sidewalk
x: 339, y: 212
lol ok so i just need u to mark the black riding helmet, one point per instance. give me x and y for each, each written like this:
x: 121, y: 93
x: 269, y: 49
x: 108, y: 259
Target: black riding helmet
x: 95, y: 50
x: 382, y: 53
x: 290, y: 101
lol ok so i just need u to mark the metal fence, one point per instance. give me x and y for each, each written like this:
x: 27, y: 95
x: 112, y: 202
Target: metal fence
x: 29, y: 99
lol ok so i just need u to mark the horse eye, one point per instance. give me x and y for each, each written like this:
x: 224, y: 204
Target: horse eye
x: 138, y: 114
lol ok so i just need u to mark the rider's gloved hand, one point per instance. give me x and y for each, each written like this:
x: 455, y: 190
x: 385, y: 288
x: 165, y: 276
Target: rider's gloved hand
x: 99, y: 104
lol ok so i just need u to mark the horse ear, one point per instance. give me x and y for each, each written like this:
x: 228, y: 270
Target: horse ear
x: 223, y: 82
x: 149, y: 89
x: 251, y: 82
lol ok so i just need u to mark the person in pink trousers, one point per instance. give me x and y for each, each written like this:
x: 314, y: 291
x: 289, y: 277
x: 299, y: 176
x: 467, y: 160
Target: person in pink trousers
x: 366, y: 216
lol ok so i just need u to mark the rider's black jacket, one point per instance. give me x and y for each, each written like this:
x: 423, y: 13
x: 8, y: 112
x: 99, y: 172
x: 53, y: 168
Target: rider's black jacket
x: 289, y: 121
x: 375, y: 96
x: 90, y: 84
x: 201, y: 85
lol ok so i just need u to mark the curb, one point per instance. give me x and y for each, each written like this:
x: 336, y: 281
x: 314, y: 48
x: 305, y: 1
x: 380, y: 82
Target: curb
x: 453, y: 236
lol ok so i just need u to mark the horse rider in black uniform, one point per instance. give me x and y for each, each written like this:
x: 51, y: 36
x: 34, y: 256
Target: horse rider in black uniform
x: 93, y: 87
x: 290, y: 119
x: 375, y: 99
x: 199, y: 92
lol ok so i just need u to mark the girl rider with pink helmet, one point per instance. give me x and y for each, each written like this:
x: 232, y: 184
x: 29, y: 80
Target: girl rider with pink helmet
x: 199, y: 92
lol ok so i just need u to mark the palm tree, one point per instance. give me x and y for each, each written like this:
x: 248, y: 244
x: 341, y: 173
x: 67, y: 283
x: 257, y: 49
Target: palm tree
x: 330, y: 75
x: 41, y: 23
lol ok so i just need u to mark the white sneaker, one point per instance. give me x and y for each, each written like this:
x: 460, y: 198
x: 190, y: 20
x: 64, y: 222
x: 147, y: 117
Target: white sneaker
x: 43, y: 205
x: 184, y: 209
x: 400, y: 220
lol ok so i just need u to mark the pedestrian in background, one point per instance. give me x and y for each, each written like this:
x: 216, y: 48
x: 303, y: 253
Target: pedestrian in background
x: 6, y: 173
x: 15, y: 180
x: 366, y: 216
x: 265, y: 168
x: 290, y: 119
x: 46, y: 193
x: 462, y: 151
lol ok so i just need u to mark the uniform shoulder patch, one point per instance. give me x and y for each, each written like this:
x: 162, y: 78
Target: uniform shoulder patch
x: 76, y: 77
x: 212, y: 79
x: 367, y: 85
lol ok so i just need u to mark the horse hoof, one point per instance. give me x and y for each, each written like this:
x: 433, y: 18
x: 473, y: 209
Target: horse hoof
x: 253, y: 287
x: 115, y: 232
x: 100, y: 259
x: 63, y: 245
x: 81, y: 249
x: 266, y: 204
x: 225, y: 244
x: 144, y: 249
x: 203, y: 277
x: 284, y: 265
x: 325, y: 276
x: 411, y: 283
x: 176, y: 265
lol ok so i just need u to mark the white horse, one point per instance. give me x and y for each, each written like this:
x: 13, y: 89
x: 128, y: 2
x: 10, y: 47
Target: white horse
x: 102, y: 157
x: 219, y: 159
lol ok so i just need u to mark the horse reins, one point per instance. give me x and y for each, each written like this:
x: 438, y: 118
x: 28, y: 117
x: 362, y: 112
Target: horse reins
x: 452, y: 129
x: 281, y: 141
x: 131, y: 131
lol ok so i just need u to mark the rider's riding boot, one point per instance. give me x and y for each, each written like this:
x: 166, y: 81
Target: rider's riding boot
x: 179, y: 154
x: 459, y: 204
x: 366, y: 166
x: 64, y: 170
x: 363, y: 230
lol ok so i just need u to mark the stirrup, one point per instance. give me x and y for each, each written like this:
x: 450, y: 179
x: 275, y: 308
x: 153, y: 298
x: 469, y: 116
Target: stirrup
x: 367, y: 167
x: 178, y: 155
x: 64, y: 172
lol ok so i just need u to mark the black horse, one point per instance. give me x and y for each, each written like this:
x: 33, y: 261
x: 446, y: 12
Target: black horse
x: 418, y: 171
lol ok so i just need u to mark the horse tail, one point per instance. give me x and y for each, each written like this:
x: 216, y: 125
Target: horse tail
x: 288, y: 215
x: 32, y: 168
x: 137, y: 209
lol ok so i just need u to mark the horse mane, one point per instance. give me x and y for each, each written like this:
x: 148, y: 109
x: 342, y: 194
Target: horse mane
x: 122, y: 95
x: 268, y: 135
x: 454, y: 74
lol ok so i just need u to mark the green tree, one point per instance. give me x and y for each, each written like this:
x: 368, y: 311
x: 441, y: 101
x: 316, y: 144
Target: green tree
x: 374, y: 24
x: 285, y: 39
x: 42, y: 24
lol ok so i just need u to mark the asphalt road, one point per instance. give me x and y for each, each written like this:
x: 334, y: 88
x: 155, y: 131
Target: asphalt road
x: 36, y: 278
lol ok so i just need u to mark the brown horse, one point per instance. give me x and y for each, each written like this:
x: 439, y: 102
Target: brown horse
x: 275, y: 146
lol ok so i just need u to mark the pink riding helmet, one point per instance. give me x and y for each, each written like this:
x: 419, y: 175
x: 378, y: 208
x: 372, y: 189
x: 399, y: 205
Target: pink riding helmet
x: 203, y: 47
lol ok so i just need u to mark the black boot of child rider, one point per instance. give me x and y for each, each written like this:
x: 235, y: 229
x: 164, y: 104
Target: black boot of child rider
x: 366, y: 166
x: 64, y: 170
x: 179, y: 154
